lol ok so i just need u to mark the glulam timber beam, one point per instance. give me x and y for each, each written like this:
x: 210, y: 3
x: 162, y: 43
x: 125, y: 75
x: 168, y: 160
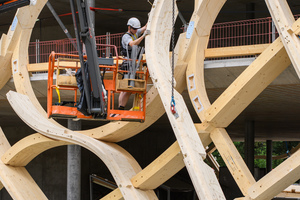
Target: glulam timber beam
x: 277, y: 180
x: 120, y: 163
x: 205, y: 13
x: 263, y: 70
x: 232, y: 159
x: 22, y: 20
x: 111, y: 132
x: 25, y: 150
x: 157, y: 48
x: 198, y: 95
x: 16, y: 180
x: 292, y: 189
x: 288, y: 195
x: 296, y: 27
x: 165, y: 166
x: 235, y: 51
x: 114, y: 195
x: 213, y: 163
x: 284, y: 22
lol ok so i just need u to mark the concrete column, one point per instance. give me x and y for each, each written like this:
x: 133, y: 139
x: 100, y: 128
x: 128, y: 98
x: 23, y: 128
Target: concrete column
x: 74, y: 166
x: 269, y: 155
x: 91, y: 3
x: 249, y: 145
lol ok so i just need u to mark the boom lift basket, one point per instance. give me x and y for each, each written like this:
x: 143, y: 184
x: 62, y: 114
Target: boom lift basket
x: 113, y: 82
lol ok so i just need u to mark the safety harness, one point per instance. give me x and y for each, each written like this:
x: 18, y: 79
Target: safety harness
x: 123, y: 50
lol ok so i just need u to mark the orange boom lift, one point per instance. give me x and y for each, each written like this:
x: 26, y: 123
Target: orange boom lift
x: 113, y: 84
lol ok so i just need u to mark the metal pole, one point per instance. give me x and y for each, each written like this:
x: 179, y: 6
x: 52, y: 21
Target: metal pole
x: 37, y: 51
x: 107, y: 42
x: 61, y: 24
x: 249, y: 145
x: 91, y: 3
x: 80, y: 53
x: 273, y: 31
x: 91, y: 188
x: 183, y: 21
x: 74, y: 166
x: 269, y: 155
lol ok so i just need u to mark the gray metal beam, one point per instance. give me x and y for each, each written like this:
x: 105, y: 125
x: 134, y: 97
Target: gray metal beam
x: 65, y: 30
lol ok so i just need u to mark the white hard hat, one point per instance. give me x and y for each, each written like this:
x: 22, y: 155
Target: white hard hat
x: 134, y: 22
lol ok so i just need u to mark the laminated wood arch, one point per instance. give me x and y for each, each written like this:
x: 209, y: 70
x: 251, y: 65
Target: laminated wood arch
x: 23, y: 86
x: 111, y: 132
x: 242, y: 92
x: 28, y: 148
x: 120, y: 163
x: 24, y: 21
x: 23, y: 187
x: 189, y: 150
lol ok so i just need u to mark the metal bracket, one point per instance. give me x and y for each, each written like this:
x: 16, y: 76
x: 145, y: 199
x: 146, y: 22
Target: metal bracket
x: 197, y: 103
x: 14, y: 23
x: 190, y: 30
x: 191, y: 82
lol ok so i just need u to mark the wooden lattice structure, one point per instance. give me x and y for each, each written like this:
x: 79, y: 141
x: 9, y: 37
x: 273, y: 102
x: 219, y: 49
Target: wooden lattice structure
x: 189, y: 150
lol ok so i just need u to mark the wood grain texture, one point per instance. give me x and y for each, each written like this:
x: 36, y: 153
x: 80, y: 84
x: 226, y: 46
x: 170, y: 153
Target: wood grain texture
x: 157, y: 48
x: 284, y: 20
x: 120, y: 163
x: 16, y: 180
x: 21, y: 153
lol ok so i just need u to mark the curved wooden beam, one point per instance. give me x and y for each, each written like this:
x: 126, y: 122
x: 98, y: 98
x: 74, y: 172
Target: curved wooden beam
x: 157, y: 48
x: 112, y: 132
x: 25, y: 150
x: 235, y: 98
x: 205, y: 15
x: 120, y: 163
x: 277, y: 180
x: 17, y: 180
x: 284, y: 20
x: 203, y: 18
x: 25, y: 18
x: 254, y: 79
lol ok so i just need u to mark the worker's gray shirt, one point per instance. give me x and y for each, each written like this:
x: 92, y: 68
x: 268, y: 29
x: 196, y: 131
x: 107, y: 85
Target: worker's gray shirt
x: 128, y: 38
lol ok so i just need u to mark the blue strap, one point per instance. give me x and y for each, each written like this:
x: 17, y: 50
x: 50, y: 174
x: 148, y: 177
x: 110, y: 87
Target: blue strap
x: 173, y: 101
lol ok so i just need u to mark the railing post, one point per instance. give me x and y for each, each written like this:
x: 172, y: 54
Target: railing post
x: 273, y: 31
x: 107, y: 42
x: 37, y: 51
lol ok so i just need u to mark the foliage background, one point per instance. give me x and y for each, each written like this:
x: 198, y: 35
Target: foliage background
x: 279, y: 148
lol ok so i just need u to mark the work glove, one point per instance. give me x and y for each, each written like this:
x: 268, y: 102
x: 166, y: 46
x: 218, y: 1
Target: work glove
x: 147, y: 32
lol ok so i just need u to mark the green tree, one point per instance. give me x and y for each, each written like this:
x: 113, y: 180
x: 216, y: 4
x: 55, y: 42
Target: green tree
x: 260, y: 148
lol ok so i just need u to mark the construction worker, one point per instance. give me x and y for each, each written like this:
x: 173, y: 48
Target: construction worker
x: 134, y: 36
